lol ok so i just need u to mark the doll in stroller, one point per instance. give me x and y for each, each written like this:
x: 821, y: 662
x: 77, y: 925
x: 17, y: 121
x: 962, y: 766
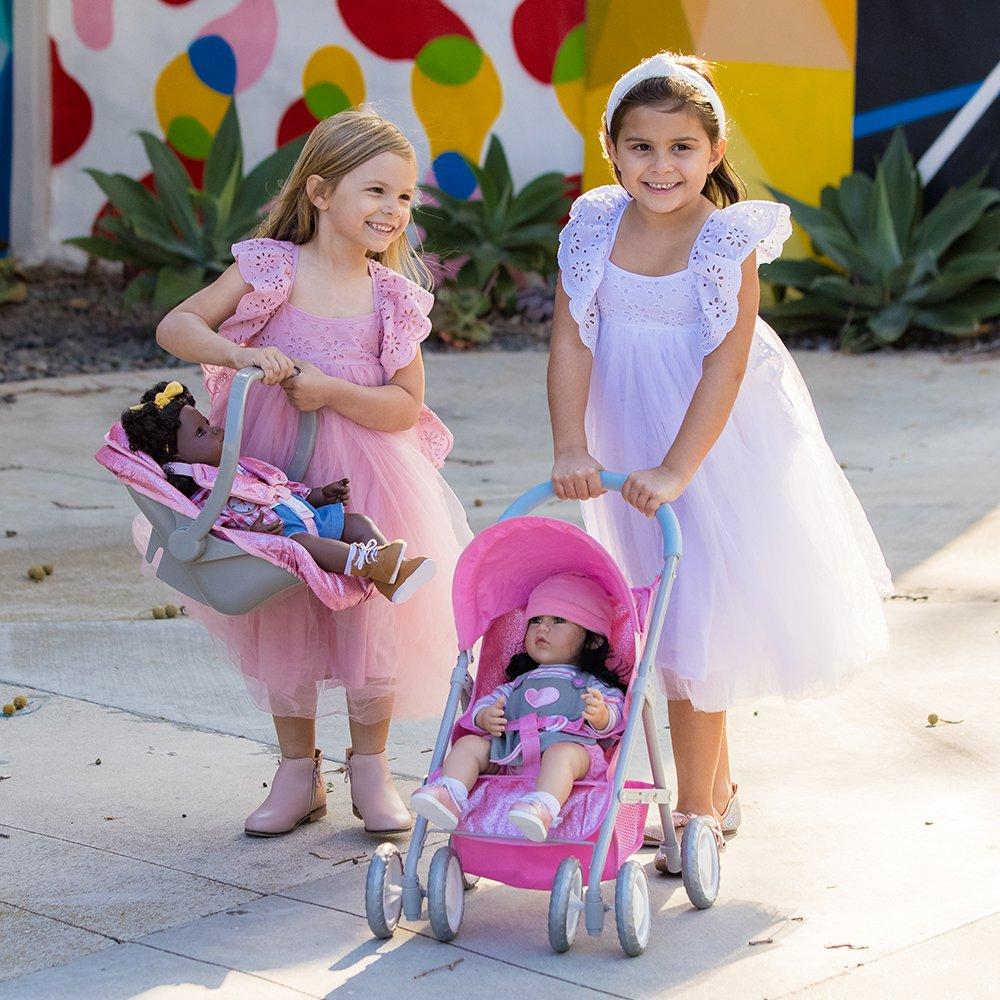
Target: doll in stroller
x: 509, y: 826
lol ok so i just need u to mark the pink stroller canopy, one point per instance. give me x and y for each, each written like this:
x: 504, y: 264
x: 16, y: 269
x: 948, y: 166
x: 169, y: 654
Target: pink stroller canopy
x: 504, y: 563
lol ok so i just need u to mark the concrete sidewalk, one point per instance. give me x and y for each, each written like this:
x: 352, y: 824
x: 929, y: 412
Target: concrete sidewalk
x: 868, y: 864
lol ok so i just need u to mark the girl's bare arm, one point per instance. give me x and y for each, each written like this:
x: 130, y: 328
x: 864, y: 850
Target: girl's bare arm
x: 188, y: 330
x: 575, y: 474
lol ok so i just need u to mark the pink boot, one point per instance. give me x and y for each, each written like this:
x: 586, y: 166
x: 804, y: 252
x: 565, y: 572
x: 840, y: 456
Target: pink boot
x: 373, y: 794
x: 297, y: 795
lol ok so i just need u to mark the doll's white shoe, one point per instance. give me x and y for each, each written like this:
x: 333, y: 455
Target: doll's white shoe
x: 436, y: 805
x: 730, y: 819
x: 532, y: 819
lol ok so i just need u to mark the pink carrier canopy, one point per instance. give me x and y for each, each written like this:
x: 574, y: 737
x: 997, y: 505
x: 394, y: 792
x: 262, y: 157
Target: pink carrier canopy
x: 138, y: 471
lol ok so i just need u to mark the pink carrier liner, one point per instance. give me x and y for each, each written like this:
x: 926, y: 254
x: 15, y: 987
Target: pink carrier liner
x: 601, y: 823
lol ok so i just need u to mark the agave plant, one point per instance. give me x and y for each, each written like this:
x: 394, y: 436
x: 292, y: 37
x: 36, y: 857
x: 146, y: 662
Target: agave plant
x: 887, y: 267
x: 503, y: 234
x: 178, y: 237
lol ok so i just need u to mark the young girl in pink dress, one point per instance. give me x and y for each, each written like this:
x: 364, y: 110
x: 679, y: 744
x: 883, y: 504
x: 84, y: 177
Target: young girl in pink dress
x: 331, y: 285
x: 660, y: 367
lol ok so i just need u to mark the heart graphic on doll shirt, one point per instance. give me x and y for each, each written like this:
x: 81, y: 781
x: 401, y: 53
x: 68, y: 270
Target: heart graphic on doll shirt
x: 536, y: 697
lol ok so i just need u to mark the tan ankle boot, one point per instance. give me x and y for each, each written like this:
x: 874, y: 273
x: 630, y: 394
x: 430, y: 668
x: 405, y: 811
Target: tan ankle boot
x: 378, y: 563
x: 413, y: 574
x: 373, y: 794
x: 297, y: 795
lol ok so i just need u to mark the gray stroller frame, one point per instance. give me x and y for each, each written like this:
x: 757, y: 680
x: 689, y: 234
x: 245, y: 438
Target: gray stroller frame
x: 393, y: 889
x: 196, y: 563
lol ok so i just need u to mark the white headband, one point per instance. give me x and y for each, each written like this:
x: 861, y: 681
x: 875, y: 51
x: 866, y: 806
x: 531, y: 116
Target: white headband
x: 663, y: 66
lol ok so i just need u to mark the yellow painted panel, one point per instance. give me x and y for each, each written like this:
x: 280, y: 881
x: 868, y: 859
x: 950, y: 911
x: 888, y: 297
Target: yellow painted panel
x: 179, y: 92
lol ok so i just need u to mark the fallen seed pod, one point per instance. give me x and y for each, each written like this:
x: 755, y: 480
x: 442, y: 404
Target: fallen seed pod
x: 171, y: 610
x: 36, y: 573
x: 932, y: 719
x: 20, y: 701
x: 9, y: 710
x: 48, y: 569
x: 159, y: 613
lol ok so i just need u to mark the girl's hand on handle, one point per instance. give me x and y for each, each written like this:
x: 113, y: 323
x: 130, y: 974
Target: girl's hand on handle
x: 576, y: 475
x: 646, y: 489
x: 492, y: 719
x: 595, y: 709
x: 276, y: 365
x: 309, y: 389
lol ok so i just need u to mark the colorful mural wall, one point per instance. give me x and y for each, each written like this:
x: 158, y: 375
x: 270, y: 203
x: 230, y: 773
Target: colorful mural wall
x: 449, y: 74
x: 535, y: 72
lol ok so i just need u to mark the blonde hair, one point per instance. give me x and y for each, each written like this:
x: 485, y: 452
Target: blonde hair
x: 723, y: 186
x: 336, y: 146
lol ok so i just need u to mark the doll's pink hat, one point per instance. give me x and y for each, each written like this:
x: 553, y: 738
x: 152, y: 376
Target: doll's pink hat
x: 576, y: 598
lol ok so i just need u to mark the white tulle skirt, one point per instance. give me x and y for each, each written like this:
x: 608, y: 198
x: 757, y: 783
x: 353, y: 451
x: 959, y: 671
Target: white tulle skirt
x: 779, y: 590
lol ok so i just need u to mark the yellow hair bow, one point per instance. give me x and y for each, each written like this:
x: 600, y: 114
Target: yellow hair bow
x: 162, y: 399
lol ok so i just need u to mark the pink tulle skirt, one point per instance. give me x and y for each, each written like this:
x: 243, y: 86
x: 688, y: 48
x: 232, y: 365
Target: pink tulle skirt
x: 293, y: 652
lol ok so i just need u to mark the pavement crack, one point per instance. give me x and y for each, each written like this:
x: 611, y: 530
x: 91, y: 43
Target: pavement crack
x: 61, y: 920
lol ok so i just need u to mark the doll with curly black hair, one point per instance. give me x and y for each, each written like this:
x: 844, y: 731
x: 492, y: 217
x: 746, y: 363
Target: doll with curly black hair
x: 167, y: 426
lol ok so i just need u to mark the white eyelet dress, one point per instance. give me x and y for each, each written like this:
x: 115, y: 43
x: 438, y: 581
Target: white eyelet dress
x: 780, y: 587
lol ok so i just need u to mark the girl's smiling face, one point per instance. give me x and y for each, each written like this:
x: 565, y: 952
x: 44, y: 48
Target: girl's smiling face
x: 198, y: 442
x: 553, y: 640
x: 664, y: 157
x: 370, y: 204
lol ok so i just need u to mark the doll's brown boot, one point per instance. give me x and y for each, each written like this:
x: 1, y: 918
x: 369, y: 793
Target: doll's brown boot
x: 378, y: 563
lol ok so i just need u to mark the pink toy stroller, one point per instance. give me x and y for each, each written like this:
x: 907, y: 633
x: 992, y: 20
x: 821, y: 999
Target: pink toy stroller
x: 602, y: 821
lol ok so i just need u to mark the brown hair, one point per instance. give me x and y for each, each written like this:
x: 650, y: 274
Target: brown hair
x: 723, y: 185
x: 335, y: 147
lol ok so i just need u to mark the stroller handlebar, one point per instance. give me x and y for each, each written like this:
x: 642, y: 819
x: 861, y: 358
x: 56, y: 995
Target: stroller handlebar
x: 188, y: 544
x: 665, y: 517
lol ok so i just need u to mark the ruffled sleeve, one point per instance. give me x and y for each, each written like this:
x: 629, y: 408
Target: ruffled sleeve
x: 729, y: 236
x: 584, y: 245
x: 269, y: 267
x: 404, y: 311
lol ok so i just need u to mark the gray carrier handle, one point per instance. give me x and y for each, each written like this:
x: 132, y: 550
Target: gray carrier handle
x: 188, y: 544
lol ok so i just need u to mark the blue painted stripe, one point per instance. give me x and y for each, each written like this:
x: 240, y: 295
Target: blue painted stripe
x: 880, y: 119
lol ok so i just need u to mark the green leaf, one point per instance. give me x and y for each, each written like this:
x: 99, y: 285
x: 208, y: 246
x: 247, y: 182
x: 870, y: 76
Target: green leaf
x: 136, y: 204
x: 794, y: 273
x: 890, y: 323
x: 880, y: 242
x: 960, y: 321
x: 224, y: 164
x: 139, y: 289
x: 853, y: 197
x: 829, y: 234
x: 836, y: 286
x: 175, y: 284
x: 959, y: 274
x: 544, y: 196
x: 144, y: 253
x: 902, y: 185
x: 984, y: 236
x: 264, y: 182
x: 172, y: 183
x: 99, y: 246
x: 808, y: 307
x: 954, y: 215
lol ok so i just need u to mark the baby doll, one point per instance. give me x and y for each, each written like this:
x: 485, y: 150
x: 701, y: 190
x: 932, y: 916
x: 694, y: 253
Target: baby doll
x: 560, y: 699
x: 166, y: 425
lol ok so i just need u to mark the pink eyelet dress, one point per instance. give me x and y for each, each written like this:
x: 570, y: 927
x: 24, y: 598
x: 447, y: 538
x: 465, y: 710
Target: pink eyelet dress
x: 779, y: 590
x: 293, y: 651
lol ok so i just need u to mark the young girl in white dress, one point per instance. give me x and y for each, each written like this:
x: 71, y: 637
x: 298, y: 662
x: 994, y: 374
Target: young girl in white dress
x: 660, y: 367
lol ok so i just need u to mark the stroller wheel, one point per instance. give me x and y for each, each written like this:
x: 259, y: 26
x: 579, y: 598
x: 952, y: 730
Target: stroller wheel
x: 384, y: 890
x: 565, y: 905
x: 700, y: 863
x: 633, y: 915
x: 445, y: 894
